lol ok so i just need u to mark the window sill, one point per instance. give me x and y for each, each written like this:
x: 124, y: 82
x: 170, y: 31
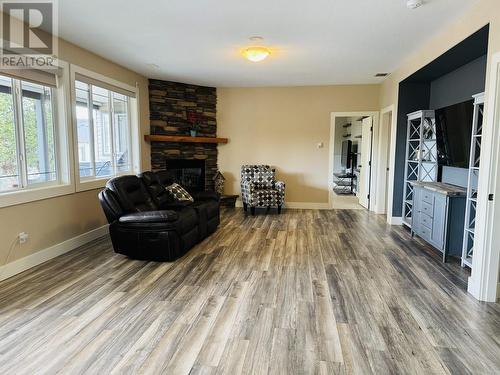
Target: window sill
x: 97, y: 183
x: 92, y: 184
x: 13, y: 198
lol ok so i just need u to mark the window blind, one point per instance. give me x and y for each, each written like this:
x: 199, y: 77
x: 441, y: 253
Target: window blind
x: 42, y: 77
x: 104, y: 85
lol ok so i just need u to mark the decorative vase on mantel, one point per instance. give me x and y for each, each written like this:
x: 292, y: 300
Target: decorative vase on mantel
x: 195, y: 119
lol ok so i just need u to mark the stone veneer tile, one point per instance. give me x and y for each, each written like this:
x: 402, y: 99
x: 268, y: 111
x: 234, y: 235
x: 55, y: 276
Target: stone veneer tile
x: 169, y: 105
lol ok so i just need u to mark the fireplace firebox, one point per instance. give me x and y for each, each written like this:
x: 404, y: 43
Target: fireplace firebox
x: 190, y: 173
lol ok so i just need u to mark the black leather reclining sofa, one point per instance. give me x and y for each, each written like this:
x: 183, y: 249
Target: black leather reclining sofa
x: 147, y: 224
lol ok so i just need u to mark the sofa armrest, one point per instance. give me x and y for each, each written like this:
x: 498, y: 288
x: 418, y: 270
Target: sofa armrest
x: 149, y: 217
x: 205, y: 196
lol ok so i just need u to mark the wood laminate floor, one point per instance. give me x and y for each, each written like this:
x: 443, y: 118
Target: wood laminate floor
x: 306, y: 292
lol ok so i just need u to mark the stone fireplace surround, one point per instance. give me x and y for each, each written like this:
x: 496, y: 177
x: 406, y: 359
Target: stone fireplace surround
x: 189, y: 173
x: 169, y: 105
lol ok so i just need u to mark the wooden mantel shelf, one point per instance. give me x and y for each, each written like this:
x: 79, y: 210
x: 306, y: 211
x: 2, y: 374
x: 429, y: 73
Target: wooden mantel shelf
x: 184, y: 139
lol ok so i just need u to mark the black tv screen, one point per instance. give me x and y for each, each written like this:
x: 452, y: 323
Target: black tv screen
x: 453, y: 133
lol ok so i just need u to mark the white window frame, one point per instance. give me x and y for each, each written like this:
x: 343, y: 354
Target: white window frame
x: 90, y: 183
x: 63, y: 135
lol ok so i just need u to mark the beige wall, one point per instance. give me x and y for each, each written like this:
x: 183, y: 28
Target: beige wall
x: 282, y: 126
x: 52, y: 221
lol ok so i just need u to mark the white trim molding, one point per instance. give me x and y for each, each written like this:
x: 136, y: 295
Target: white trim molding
x: 135, y: 131
x: 62, y: 118
x: 483, y: 281
x: 307, y: 205
x: 373, y: 185
x: 394, y: 220
x: 298, y: 205
x: 383, y: 206
x: 23, y: 264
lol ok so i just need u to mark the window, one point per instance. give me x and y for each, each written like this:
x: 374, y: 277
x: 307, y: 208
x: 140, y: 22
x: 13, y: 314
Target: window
x: 103, y: 129
x: 28, y: 142
x: 36, y: 141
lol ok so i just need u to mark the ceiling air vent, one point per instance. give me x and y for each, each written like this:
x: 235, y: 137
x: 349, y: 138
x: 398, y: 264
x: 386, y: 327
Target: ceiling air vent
x: 414, y: 4
x: 381, y: 74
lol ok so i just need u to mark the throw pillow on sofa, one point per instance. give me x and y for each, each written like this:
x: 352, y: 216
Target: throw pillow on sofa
x: 178, y: 193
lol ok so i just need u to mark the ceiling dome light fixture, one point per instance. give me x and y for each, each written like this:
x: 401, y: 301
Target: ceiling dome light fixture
x: 256, y: 54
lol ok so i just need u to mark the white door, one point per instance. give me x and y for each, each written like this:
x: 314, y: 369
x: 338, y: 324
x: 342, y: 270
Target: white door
x: 364, y: 165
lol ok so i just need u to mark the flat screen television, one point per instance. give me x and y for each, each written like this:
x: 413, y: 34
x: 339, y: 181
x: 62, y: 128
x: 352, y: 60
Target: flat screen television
x: 345, y: 159
x: 453, y: 134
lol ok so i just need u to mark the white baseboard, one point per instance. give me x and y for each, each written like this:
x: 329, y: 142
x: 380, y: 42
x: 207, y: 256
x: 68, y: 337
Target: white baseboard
x: 394, y: 220
x: 307, y: 205
x: 20, y: 265
x: 299, y: 205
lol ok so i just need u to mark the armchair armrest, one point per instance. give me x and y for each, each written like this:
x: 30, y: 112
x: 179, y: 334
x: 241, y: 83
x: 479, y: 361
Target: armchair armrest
x: 247, y: 189
x: 280, y: 186
x: 149, y: 217
x: 248, y: 185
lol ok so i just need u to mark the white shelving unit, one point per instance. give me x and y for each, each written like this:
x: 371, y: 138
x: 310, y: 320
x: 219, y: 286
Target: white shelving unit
x: 421, y: 156
x: 475, y: 159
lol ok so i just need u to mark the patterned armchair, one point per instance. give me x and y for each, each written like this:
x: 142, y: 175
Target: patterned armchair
x: 259, y: 188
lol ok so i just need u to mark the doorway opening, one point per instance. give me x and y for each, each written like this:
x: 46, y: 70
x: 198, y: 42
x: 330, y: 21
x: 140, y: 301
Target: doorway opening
x: 351, y: 168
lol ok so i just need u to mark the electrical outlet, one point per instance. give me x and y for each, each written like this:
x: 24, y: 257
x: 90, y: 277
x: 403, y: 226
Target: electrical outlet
x: 23, y: 237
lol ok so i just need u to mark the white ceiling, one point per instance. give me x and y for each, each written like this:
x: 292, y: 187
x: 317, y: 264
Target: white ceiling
x: 314, y: 42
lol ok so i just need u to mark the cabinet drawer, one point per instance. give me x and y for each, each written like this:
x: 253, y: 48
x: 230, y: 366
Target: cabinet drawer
x: 428, y: 209
x: 426, y: 220
x: 427, y: 196
x: 425, y: 233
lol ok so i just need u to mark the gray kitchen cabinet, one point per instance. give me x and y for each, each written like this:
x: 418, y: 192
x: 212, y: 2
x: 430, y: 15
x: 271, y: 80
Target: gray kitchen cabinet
x: 438, y: 216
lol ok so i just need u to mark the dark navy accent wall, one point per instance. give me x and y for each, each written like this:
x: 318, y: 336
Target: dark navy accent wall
x: 452, y: 78
x: 413, y: 96
x: 459, y: 85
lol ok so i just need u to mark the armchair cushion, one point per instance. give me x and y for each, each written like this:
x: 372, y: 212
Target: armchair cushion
x: 160, y: 195
x: 262, y: 176
x: 131, y: 194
